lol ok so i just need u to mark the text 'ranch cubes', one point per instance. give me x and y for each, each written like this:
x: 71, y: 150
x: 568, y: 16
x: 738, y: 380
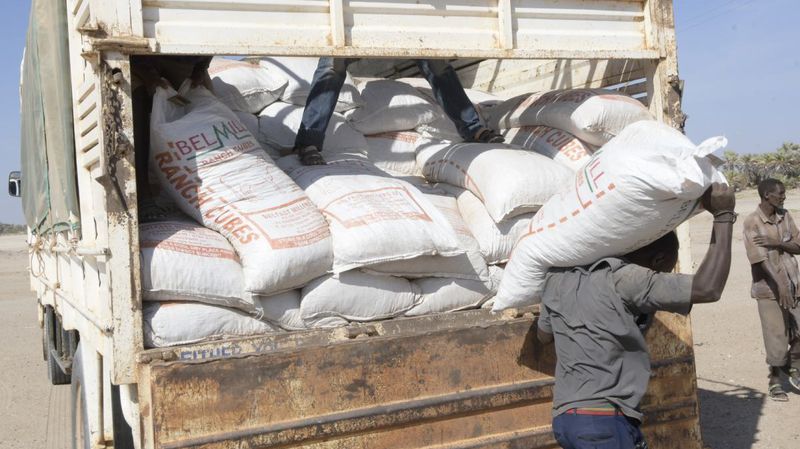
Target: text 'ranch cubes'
x: 217, y: 173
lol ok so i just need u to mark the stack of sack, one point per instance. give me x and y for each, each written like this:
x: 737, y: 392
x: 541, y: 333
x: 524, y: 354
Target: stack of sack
x: 404, y: 220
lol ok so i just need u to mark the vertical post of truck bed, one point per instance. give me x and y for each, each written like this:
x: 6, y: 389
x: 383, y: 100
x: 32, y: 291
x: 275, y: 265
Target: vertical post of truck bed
x: 664, y: 91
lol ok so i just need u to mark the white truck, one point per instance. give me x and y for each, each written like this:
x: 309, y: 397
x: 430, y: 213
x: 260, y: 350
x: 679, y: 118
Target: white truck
x: 461, y: 380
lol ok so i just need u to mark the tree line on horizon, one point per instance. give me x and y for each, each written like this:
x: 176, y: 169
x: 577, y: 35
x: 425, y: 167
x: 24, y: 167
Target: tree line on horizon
x: 6, y: 228
x: 745, y: 171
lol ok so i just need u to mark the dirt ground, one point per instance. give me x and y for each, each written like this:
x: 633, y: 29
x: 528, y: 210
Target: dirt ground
x: 731, y: 370
x: 731, y: 367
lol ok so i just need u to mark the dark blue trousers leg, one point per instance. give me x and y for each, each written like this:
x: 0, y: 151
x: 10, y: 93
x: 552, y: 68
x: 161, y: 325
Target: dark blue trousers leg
x: 325, y: 86
x: 449, y: 92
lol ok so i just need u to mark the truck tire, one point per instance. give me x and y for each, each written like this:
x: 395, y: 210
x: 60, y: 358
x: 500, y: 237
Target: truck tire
x: 52, y: 332
x: 79, y: 423
x: 123, y: 435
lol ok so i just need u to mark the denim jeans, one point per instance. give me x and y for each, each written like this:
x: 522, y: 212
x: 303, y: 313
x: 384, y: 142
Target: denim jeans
x: 597, y: 432
x: 329, y: 78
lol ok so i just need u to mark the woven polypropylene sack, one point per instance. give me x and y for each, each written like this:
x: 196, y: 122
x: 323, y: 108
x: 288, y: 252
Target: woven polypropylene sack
x: 592, y: 115
x: 442, y: 295
x: 469, y: 265
x: 638, y: 187
x: 213, y: 168
x: 282, y: 310
x: 556, y: 144
x: 496, y: 240
x: 278, y: 124
x: 184, y: 261
x: 395, y: 152
x: 299, y: 71
x: 373, y: 218
x: 356, y: 296
x: 244, y: 86
x: 390, y: 106
x: 179, y: 323
x: 508, y: 180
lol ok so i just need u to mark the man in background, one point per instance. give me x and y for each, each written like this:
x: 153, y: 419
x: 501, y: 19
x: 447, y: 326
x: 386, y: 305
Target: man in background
x: 771, y: 241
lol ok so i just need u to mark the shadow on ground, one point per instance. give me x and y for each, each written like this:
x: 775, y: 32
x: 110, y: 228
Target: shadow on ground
x: 729, y: 417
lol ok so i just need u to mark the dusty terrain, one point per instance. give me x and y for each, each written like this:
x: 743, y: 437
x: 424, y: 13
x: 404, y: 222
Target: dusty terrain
x: 731, y: 367
x: 730, y: 359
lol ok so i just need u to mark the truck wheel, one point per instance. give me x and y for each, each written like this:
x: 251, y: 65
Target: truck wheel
x: 52, y: 330
x: 123, y: 435
x: 79, y: 423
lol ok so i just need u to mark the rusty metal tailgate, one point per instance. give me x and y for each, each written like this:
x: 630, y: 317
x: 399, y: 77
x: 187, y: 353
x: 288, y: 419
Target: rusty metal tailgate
x: 464, y: 380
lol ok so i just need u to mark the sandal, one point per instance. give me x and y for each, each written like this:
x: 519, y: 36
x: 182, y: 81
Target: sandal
x: 486, y: 135
x: 310, y: 155
x: 777, y: 394
x: 794, y: 378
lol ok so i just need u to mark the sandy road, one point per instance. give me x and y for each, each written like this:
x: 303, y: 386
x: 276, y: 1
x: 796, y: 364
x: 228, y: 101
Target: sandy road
x: 730, y: 359
x: 33, y: 414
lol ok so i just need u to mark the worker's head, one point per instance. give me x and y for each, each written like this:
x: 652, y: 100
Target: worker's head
x: 661, y: 255
x: 772, y: 191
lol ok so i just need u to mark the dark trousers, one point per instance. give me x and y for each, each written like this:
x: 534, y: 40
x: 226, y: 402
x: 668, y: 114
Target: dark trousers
x: 597, y: 432
x: 329, y: 79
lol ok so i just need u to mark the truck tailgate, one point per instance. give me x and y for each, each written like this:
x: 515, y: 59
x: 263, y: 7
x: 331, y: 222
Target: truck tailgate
x: 466, y: 380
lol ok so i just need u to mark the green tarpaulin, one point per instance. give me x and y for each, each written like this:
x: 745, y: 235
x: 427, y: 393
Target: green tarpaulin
x: 49, y: 192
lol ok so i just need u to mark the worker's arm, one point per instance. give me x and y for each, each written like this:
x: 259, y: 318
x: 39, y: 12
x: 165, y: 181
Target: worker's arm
x: 544, y: 337
x: 543, y: 329
x: 791, y: 246
x: 711, y: 275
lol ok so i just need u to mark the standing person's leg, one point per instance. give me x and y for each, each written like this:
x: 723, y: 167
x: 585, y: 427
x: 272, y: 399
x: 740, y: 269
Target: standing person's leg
x: 776, y: 344
x: 325, y: 86
x: 793, y: 321
x: 449, y: 92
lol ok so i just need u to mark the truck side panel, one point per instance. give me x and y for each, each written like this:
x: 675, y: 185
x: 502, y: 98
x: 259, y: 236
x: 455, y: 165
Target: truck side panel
x: 398, y: 28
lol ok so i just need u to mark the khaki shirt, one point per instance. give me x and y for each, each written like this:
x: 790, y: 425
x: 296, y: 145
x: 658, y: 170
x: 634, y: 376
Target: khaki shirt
x: 782, y: 228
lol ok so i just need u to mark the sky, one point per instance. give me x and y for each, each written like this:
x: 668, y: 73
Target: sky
x: 739, y: 59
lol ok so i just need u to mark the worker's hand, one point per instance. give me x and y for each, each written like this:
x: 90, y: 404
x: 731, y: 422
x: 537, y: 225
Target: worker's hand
x: 767, y: 241
x: 150, y: 77
x: 785, y: 297
x: 200, y: 76
x: 719, y: 198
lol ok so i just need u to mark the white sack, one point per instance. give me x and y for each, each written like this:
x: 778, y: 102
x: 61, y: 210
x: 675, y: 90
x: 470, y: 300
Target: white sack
x: 250, y: 121
x: 509, y: 181
x: 390, y: 106
x: 592, y: 115
x: 185, y: 261
x: 278, y: 124
x: 299, y: 71
x: 496, y: 240
x: 178, y: 323
x: 638, y: 187
x: 441, y: 127
x: 356, y: 296
x: 469, y: 265
x: 395, y: 152
x: 373, y: 218
x: 218, y: 174
x: 558, y: 145
x: 282, y: 310
x: 243, y: 86
x: 441, y: 295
